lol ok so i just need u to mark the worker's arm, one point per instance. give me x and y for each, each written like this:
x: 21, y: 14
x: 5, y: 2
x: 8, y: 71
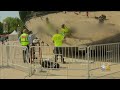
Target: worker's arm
x: 53, y: 39
x: 64, y: 40
x: 19, y: 39
x: 29, y: 39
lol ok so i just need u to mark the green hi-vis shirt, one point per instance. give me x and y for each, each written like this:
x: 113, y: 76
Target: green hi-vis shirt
x: 65, y: 31
x: 58, y: 39
x: 24, y: 39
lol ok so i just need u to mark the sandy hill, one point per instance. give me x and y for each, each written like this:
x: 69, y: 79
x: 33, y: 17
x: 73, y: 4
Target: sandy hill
x: 87, y: 30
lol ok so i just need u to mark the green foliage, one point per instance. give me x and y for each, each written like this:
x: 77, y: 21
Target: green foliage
x: 13, y: 23
x: 23, y: 15
x: 1, y: 27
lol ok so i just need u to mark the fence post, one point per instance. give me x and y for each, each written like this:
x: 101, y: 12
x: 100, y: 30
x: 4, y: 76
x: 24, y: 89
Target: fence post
x: 30, y: 61
x: 88, y: 58
x: 1, y: 65
x: 8, y: 53
x: 2, y: 54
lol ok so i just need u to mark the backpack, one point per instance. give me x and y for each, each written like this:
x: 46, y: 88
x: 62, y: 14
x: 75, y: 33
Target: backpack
x: 49, y: 64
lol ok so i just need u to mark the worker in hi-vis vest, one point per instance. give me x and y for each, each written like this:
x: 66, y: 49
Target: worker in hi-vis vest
x: 24, y: 41
x: 58, y: 50
x: 65, y: 31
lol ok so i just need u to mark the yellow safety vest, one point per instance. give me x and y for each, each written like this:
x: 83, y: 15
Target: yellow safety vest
x: 65, y: 31
x: 24, y: 39
x: 58, y: 39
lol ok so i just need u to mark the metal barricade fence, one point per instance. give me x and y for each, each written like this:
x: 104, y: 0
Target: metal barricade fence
x: 76, y: 65
x: 12, y: 56
x: 81, y: 62
x: 13, y: 43
x: 106, y: 55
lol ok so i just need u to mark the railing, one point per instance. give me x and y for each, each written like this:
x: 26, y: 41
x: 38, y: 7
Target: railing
x: 63, y: 62
x: 104, y: 54
x: 50, y: 58
x: 12, y: 56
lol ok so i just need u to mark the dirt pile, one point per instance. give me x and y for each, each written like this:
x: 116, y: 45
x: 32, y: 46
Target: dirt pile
x: 87, y: 31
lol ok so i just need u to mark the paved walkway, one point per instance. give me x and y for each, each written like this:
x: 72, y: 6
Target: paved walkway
x: 11, y: 73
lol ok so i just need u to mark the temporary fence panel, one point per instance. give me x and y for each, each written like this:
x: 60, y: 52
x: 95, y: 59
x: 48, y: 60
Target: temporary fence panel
x: 13, y: 43
x: 94, y: 61
x: 76, y: 65
x: 106, y: 60
x: 12, y: 56
x: 1, y: 55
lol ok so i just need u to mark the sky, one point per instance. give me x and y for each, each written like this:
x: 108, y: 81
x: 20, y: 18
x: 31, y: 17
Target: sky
x: 4, y: 14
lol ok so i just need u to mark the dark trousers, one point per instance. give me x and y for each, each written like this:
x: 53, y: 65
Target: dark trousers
x: 25, y: 54
x: 58, y: 51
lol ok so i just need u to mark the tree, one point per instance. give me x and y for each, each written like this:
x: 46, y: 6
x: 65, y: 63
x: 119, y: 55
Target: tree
x: 23, y: 15
x: 1, y: 27
x: 13, y: 23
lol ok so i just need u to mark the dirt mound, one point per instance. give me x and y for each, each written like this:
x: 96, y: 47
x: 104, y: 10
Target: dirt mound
x: 86, y: 30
